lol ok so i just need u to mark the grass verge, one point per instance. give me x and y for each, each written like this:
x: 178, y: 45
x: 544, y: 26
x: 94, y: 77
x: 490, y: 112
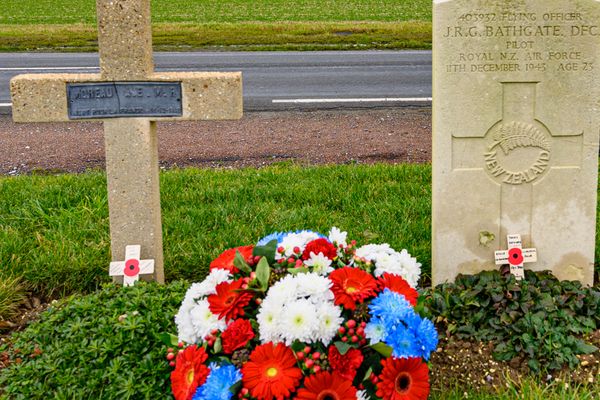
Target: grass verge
x: 528, y: 389
x: 54, y: 229
x: 12, y: 295
x: 242, y: 36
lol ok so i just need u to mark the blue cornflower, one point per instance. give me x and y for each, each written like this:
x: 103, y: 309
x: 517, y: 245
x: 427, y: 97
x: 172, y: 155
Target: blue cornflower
x: 273, y: 236
x: 217, y: 385
x: 390, y: 306
x: 395, y: 323
x: 402, y: 341
x: 427, y: 338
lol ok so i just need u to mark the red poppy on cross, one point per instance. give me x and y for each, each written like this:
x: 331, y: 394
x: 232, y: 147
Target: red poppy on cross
x: 132, y: 267
x: 516, y: 256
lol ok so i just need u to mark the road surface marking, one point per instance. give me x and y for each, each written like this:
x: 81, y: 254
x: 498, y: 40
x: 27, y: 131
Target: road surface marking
x: 45, y: 68
x: 5, y: 104
x: 358, y: 100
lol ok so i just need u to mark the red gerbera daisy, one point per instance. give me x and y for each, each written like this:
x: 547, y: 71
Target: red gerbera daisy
x: 271, y: 372
x: 225, y: 260
x: 346, y: 365
x: 230, y: 300
x: 320, y: 246
x: 352, y: 286
x: 237, y: 335
x: 327, y: 385
x: 403, y: 379
x: 397, y: 284
x: 189, y: 373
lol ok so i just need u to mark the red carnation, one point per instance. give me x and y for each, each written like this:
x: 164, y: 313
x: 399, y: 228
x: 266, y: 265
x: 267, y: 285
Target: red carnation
x: 346, y: 365
x: 237, y: 335
x: 230, y: 300
x: 189, y: 373
x: 225, y: 260
x: 325, y: 385
x: 352, y: 286
x: 320, y: 246
x: 403, y: 379
x: 397, y: 284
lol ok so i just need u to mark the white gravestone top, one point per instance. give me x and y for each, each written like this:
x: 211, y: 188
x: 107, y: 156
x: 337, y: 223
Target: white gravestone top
x: 132, y: 267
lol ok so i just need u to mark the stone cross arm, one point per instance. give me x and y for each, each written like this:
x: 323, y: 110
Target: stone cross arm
x: 205, y: 95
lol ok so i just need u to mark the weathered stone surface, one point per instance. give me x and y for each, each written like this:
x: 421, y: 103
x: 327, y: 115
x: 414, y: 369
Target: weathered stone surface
x: 516, y: 123
x: 124, y: 39
x: 206, y: 95
x: 133, y: 188
x: 125, y: 47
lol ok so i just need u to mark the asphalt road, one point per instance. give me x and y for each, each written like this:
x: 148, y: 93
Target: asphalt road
x: 273, y: 80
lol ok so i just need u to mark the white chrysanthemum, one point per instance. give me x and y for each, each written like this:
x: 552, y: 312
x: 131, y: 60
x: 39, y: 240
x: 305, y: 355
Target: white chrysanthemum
x: 268, y: 320
x: 204, y: 321
x: 284, y: 290
x: 362, y: 395
x: 337, y: 237
x: 319, y: 263
x: 330, y: 320
x: 375, y: 332
x: 186, y: 331
x: 291, y: 310
x: 300, y: 321
x: 386, y: 259
x: 292, y: 240
x: 314, y: 287
x: 401, y: 264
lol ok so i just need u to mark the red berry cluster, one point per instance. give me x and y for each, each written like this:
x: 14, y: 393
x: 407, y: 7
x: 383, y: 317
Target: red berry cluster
x: 292, y: 261
x: 211, y: 338
x: 312, y: 361
x: 171, y: 353
x: 353, y: 332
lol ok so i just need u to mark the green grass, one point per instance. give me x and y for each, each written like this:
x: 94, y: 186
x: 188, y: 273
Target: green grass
x: 54, y: 230
x: 529, y: 389
x: 30, y: 12
x: 12, y: 294
x: 66, y: 25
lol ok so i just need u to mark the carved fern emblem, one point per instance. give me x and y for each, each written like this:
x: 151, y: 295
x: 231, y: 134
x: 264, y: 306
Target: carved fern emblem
x: 519, y: 134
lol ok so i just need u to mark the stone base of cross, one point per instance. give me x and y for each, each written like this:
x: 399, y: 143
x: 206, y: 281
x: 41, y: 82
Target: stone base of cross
x: 516, y: 256
x: 132, y: 267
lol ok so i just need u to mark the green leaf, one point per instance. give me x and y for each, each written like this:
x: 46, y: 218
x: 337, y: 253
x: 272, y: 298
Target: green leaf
x: 235, y: 388
x: 382, y: 349
x: 240, y: 263
x: 218, y: 346
x: 168, y: 339
x: 267, y: 250
x: 298, y: 270
x: 584, y: 348
x: 342, y: 347
x: 263, y: 272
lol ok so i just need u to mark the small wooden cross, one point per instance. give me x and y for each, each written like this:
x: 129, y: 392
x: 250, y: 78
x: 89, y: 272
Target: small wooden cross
x: 132, y: 267
x: 516, y: 256
x: 128, y: 96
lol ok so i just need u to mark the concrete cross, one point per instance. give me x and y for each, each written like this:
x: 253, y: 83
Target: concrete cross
x: 129, y: 97
x: 131, y: 269
x: 516, y: 256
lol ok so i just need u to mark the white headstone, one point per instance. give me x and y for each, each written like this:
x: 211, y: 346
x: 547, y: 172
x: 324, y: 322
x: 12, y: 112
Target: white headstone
x: 516, y: 123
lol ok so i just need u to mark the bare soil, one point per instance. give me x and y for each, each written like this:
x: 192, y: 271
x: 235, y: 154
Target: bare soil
x: 320, y: 137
